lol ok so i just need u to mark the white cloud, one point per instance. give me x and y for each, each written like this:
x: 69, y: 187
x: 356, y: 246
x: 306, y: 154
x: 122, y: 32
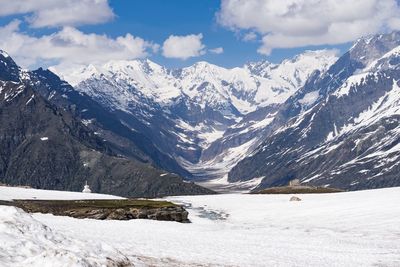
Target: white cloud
x: 69, y: 46
x: 55, y: 13
x: 217, y: 50
x: 250, y: 36
x: 297, y: 23
x: 183, y: 47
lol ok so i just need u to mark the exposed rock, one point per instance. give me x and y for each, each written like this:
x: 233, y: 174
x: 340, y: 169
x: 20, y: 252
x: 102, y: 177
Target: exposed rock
x: 126, y: 209
x: 299, y: 189
x: 294, y: 198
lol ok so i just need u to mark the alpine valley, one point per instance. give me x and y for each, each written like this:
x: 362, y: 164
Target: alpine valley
x: 207, y: 118
x: 134, y: 128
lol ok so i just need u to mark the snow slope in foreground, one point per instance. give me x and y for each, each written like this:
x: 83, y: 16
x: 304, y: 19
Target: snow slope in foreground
x: 28, y: 242
x: 10, y: 193
x: 345, y: 229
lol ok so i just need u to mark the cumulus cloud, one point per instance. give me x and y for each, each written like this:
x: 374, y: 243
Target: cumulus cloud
x: 217, y: 50
x: 297, y: 23
x: 250, y: 36
x: 183, y: 47
x: 70, y: 46
x: 55, y: 13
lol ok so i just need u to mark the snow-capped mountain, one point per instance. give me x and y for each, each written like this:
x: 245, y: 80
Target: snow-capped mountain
x: 200, y: 113
x: 244, y: 89
x: 45, y: 142
x: 327, y: 121
x: 349, y: 135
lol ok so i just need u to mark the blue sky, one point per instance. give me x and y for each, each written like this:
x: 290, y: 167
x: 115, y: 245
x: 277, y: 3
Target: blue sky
x: 178, y: 17
x: 50, y: 32
x: 182, y: 17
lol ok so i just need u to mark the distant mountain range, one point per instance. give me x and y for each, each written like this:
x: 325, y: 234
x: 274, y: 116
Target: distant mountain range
x: 204, y: 116
x: 325, y: 120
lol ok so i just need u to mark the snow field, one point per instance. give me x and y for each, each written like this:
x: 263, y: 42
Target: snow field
x: 344, y: 229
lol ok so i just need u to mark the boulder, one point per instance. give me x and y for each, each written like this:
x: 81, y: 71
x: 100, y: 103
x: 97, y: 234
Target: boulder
x: 294, y: 198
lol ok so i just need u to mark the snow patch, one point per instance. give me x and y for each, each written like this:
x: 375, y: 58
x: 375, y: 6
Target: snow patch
x: 356, y: 229
x: 309, y: 98
x: 30, y: 99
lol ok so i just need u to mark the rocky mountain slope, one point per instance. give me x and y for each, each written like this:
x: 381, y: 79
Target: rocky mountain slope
x: 204, y: 116
x: 46, y: 146
x: 126, y: 142
x: 325, y: 120
x: 348, y: 136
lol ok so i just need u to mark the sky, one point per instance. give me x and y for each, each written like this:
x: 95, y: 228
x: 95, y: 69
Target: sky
x: 177, y: 33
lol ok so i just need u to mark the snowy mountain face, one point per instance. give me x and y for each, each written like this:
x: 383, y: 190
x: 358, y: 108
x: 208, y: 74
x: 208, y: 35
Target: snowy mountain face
x: 323, y: 120
x: 104, y: 123
x: 349, y: 137
x: 198, y: 114
x: 226, y: 90
x: 47, y: 143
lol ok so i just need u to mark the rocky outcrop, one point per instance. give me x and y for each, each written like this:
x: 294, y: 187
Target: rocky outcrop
x: 297, y: 190
x: 125, y: 209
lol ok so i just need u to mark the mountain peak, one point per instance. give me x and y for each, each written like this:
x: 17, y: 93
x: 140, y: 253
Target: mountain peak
x: 201, y: 65
x: 4, y: 54
x: 128, y: 66
x: 370, y: 48
x: 76, y: 74
x: 309, y: 59
x: 259, y: 68
x: 318, y: 54
x: 9, y: 70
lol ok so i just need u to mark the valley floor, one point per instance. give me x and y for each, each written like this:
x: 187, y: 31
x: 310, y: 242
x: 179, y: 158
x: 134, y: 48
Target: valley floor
x: 343, y: 229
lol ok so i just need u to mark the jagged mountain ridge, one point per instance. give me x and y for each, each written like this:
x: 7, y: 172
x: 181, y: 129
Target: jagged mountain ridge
x: 187, y: 112
x: 46, y: 146
x: 348, y: 137
x: 106, y: 125
x: 335, y: 125
x: 243, y: 89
